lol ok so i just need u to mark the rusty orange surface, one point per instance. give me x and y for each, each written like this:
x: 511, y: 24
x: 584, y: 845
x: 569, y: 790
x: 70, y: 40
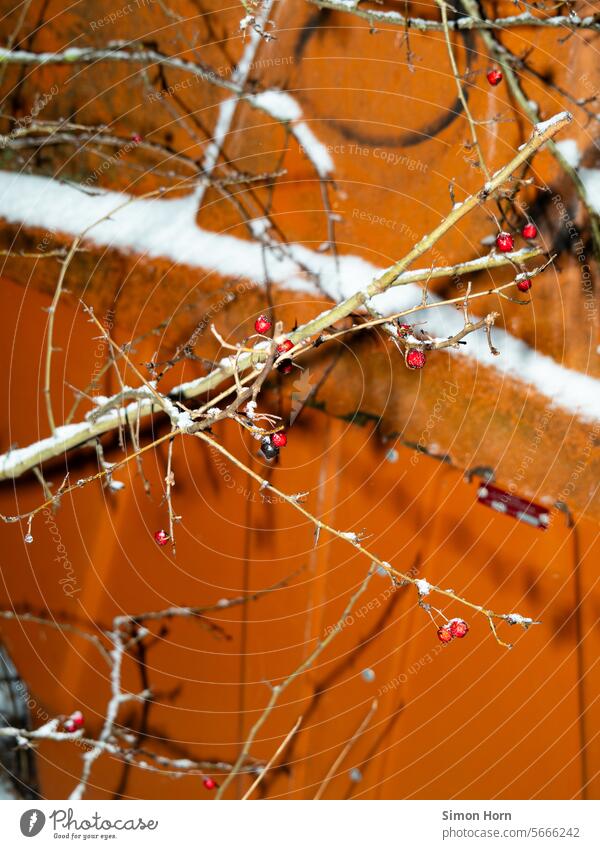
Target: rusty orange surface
x: 397, y: 143
x: 470, y: 721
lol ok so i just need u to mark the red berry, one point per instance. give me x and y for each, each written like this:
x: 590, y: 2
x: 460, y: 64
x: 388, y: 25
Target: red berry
x: 74, y: 722
x: 209, y: 783
x: 524, y: 285
x: 529, y: 231
x: 494, y: 76
x: 444, y: 634
x: 459, y: 628
x: 285, y: 346
x: 262, y: 324
x: 505, y: 242
x: 161, y: 537
x: 136, y: 138
x: 415, y: 358
x: 285, y: 367
x: 279, y: 439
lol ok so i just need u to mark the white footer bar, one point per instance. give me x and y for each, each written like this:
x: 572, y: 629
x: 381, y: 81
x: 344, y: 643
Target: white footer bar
x: 303, y: 825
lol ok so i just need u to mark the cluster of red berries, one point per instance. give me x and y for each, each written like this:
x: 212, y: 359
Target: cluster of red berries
x: 286, y: 365
x: 74, y: 722
x: 271, y: 444
x: 505, y: 243
x: 161, y: 537
x: 454, y: 628
x: 262, y: 325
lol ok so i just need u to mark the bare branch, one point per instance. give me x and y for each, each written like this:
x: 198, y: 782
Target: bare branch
x: 278, y: 689
x: 396, y: 19
x: 17, y: 461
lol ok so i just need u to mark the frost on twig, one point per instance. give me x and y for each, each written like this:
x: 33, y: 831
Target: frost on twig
x: 259, y: 360
x: 423, y: 587
x: 257, y: 18
x: 113, y: 646
x: 373, y: 15
x: 517, y: 619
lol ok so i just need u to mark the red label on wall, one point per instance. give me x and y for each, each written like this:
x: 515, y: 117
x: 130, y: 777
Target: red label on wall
x: 511, y: 505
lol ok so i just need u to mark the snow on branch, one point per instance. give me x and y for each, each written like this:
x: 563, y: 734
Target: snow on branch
x: 279, y: 105
x: 462, y: 23
x: 15, y: 462
x: 127, y: 632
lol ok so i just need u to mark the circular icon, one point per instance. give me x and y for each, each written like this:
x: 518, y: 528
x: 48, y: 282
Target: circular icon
x: 32, y: 822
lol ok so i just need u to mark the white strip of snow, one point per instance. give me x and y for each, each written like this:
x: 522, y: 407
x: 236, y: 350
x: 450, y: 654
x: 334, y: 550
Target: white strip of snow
x: 168, y: 229
x: 313, y: 148
x: 228, y: 106
x: 590, y: 177
x: 570, y: 150
x: 279, y: 104
x: 283, y: 107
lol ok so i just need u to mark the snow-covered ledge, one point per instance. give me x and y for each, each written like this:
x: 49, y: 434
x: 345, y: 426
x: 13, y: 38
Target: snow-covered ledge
x: 165, y: 228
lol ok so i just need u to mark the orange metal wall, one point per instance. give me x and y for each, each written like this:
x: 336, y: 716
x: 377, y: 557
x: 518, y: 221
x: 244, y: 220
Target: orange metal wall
x: 468, y: 721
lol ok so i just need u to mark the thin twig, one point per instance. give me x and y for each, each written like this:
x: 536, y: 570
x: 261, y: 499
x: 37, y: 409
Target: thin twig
x: 59, y: 626
x: 278, y: 689
x: 16, y: 462
x: 169, y: 484
x: 344, y: 753
x: 504, y: 59
x: 469, y: 22
x: 461, y: 95
x: 354, y: 540
x: 272, y: 759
